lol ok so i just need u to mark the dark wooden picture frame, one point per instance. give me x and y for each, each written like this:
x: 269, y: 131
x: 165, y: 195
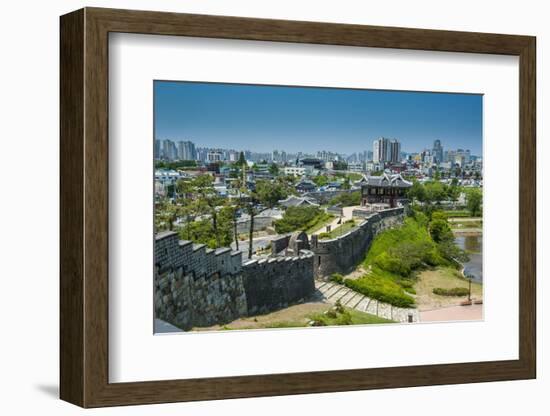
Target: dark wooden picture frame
x: 84, y: 207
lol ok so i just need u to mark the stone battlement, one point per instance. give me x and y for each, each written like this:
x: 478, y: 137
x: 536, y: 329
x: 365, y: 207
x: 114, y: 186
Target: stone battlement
x: 196, y: 259
x: 277, y: 282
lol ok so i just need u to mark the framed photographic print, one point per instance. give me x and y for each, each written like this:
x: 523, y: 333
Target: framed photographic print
x: 255, y: 207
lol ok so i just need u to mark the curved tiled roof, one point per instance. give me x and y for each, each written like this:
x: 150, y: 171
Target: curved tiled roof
x: 385, y: 180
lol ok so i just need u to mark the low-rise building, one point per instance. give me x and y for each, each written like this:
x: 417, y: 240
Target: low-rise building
x: 298, y: 170
x: 305, y: 186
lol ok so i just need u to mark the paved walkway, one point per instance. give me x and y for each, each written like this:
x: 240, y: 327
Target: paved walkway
x: 465, y: 219
x: 332, y: 292
x: 162, y: 327
x: 453, y: 313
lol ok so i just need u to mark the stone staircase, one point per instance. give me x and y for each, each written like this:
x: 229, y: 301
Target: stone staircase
x: 333, y: 292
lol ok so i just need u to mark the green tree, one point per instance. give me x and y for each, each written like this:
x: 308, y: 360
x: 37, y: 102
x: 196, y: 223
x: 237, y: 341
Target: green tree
x: 435, y: 192
x: 242, y: 161
x: 233, y: 205
x: 269, y: 193
x: 207, y: 201
x: 417, y: 192
x: 297, y: 218
x: 451, y: 251
x: 453, y: 193
x: 474, y: 199
x: 439, y: 215
x: 440, y: 230
x: 347, y: 183
x: 320, y: 180
x: 166, y: 214
x: 274, y: 169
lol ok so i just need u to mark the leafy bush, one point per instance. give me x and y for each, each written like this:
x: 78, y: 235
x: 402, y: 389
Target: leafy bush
x: 331, y: 314
x: 440, y: 230
x: 439, y: 215
x: 324, y: 236
x: 391, y: 263
x: 407, y: 256
x: 382, y: 289
x: 451, y: 251
x: 345, y: 316
x: 406, y: 283
x: 455, y: 291
x: 337, y: 278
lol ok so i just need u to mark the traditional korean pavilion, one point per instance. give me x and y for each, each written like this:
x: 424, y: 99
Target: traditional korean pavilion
x: 384, y: 189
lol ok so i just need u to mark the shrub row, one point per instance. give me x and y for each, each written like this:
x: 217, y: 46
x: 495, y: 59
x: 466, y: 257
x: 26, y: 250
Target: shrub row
x: 337, y: 278
x: 455, y: 291
x: 382, y: 289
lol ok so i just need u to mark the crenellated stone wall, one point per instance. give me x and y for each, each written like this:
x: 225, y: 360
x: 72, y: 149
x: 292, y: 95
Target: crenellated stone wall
x: 196, y: 286
x: 342, y: 254
x: 274, y: 283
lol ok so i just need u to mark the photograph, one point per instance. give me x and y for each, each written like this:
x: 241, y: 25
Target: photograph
x: 287, y: 206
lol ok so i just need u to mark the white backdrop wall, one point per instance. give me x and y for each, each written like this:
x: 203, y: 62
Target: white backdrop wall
x: 29, y: 210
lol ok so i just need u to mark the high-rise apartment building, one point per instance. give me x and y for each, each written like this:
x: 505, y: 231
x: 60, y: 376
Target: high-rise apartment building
x: 186, y: 150
x: 386, y: 150
x: 437, y: 151
x: 167, y: 150
x: 395, y: 151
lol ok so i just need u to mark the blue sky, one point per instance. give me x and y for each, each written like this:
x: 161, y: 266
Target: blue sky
x: 263, y: 118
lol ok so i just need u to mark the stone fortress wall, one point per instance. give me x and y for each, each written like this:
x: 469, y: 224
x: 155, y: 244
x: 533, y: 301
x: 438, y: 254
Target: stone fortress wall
x: 196, y: 286
x: 277, y: 282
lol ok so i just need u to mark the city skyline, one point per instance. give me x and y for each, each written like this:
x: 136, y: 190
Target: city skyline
x: 298, y: 119
x: 187, y: 150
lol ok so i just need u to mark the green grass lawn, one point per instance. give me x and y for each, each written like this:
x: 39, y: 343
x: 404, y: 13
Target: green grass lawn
x: 328, y: 317
x: 338, y: 231
x: 320, y: 222
x: 349, y: 317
